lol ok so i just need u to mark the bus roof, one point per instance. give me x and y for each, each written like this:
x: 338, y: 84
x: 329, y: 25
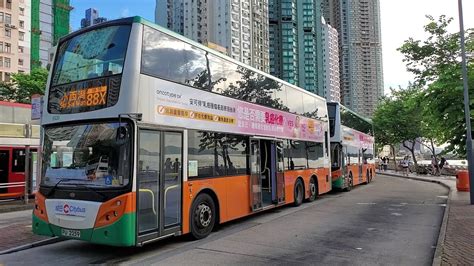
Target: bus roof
x: 138, y: 19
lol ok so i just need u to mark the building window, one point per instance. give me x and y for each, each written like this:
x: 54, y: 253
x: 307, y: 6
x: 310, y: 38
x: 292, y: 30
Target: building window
x: 22, y: 24
x: 21, y: 49
x: 8, y: 48
x: 20, y: 62
x: 21, y: 36
x: 2, y: 16
x: 8, y: 18
x: 7, y: 62
x: 1, y: 61
x: 1, y: 47
x: 22, y: 11
x: 7, y: 77
x: 8, y: 32
x: 9, y: 4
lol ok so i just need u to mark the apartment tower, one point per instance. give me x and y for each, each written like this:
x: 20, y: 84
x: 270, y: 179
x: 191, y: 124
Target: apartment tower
x: 360, y: 51
x: 238, y: 28
x: 14, y: 38
x: 296, y: 54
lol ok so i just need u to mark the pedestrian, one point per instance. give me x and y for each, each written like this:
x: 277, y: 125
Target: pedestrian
x: 442, y: 163
x: 384, y: 163
x: 404, y: 164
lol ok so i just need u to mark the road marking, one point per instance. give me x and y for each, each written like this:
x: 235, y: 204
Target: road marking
x: 443, y: 197
x: 366, y: 203
x: 396, y: 214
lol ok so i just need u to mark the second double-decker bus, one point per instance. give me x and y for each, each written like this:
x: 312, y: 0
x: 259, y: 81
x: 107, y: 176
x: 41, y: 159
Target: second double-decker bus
x: 352, y: 147
x: 148, y: 135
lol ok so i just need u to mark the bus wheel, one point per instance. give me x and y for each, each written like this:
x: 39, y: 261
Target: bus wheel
x: 313, y: 189
x: 350, y: 183
x: 203, y: 216
x: 298, y: 193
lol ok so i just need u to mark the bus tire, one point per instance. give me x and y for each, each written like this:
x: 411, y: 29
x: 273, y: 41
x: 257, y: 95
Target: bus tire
x: 313, y: 189
x: 203, y: 216
x: 298, y: 192
x: 350, y: 183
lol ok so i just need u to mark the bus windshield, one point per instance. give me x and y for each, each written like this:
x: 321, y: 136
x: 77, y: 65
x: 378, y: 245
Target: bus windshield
x: 96, y: 155
x: 92, y: 54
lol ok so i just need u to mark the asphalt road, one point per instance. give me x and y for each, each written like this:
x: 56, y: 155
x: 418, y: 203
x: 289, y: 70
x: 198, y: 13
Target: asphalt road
x: 390, y: 221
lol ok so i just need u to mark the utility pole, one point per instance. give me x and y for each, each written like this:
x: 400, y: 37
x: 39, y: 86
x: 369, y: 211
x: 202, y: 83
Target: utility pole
x: 467, y: 112
x: 27, y: 163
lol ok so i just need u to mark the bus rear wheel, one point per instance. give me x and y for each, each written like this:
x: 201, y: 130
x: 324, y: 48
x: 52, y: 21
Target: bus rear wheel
x: 298, y: 193
x: 350, y: 183
x: 313, y: 189
x: 203, y: 216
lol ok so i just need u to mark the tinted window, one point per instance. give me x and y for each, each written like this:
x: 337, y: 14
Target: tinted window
x: 295, y: 100
x: 356, y: 122
x: 212, y: 154
x: 92, y: 54
x: 315, y: 153
x: 169, y: 58
x: 352, y: 155
x: 298, y: 154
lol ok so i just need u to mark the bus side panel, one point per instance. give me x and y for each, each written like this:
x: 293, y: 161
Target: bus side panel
x: 232, y: 193
x: 354, y: 169
x: 324, y: 185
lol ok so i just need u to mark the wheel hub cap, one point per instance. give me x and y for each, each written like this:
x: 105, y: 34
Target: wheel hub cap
x: 205, y: 215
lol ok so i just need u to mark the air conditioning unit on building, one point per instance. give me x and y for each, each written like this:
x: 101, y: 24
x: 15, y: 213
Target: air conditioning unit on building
x: 12, y: 26
x: 7, y: 25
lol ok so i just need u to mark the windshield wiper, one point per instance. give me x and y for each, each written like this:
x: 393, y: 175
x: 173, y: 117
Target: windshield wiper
x: 93, y: 190
x: 56, y: 185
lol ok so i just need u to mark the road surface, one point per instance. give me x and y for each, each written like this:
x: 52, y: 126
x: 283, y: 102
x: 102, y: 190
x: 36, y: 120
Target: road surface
x: 390, y: 221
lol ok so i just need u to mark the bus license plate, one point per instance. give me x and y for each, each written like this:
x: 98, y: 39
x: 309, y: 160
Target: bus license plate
x: 71, y: 233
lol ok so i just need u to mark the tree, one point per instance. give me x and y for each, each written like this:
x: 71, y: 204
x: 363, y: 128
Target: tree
x: 24, y: 85
x: 436, y: 65
x: 398, y: 119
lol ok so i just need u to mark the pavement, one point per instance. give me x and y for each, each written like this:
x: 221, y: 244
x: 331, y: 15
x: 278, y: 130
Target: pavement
x: 456, y: 240
x: 391, y: 221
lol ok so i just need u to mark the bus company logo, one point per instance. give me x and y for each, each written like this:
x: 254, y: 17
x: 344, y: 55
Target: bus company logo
x: 70, y: 210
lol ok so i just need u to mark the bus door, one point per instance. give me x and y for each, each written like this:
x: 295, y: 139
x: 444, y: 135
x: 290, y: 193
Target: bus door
x: 267, y: 178
x: 255, y: 178
x: 18, y: 170
x: 4, y: 164
x: 159, y: 181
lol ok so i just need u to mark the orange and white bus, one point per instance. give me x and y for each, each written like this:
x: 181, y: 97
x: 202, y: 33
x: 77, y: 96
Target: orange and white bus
x: 352, y: 147
x: 148, y: 134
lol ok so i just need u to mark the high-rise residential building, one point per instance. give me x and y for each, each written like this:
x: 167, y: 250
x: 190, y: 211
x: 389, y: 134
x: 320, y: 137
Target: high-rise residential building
x: 238, y: 27
x: 49, y: 22
x: 14, y: 38
x: 92, y: 17
x: 296, y: 49
x: 360, y: 51
x: 330, y: 62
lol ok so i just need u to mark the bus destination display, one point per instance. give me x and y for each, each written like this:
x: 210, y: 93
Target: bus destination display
x: 84, y: 97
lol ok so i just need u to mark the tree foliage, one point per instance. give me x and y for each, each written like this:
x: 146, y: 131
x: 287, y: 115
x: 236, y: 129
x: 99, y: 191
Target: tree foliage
x: 398, y: 119
x: 24, y: 85
x: 435, y: 62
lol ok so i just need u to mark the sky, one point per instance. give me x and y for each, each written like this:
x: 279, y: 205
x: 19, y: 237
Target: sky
x: 400, y: 20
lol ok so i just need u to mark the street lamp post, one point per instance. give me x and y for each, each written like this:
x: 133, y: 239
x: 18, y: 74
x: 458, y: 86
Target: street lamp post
x: 467, y: 112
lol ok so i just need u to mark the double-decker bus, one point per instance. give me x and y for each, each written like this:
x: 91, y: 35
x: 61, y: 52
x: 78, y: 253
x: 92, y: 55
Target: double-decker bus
x: 148, y: 135
x: 352, y: 147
